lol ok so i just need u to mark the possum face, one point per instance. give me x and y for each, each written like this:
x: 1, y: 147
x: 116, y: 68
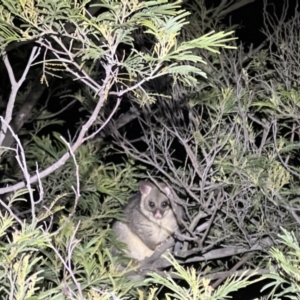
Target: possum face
x: 154, y: 201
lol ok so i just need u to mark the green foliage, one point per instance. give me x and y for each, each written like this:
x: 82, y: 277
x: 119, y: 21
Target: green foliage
x: 103, y: 186
x: 198, y: 286
x: 57, y: 266
x: 98, y: 37
x: 285, y: 274
x: 19, y: 257
x: 236, y: 131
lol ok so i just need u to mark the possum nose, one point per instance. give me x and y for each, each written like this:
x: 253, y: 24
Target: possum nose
x: 158, y: 214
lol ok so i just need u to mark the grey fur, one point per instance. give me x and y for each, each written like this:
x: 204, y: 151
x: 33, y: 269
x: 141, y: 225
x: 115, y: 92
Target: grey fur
x: 149, y: 220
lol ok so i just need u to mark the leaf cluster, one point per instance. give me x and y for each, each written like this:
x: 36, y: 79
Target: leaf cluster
x: 285, y: 272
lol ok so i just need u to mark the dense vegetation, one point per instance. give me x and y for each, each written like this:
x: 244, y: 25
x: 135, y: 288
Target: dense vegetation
x: 96, y: 95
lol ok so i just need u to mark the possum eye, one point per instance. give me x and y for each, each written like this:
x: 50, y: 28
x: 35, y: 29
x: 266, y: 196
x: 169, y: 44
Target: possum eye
x: 151, y: 204
x: 164, y: 204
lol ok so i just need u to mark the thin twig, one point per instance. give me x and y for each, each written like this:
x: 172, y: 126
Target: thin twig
x: 15, y: 86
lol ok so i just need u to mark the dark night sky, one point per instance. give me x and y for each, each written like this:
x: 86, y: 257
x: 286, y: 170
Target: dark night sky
x: 250, y: 18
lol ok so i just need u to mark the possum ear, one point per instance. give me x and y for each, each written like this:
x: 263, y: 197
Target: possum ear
x: 167, y: 191
x: 145, y: 187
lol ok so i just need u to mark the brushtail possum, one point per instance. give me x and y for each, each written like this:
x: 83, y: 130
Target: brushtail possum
x: 149, y: 220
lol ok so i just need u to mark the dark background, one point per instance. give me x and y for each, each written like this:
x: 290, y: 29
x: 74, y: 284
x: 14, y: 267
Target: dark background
x: 250, y: 18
